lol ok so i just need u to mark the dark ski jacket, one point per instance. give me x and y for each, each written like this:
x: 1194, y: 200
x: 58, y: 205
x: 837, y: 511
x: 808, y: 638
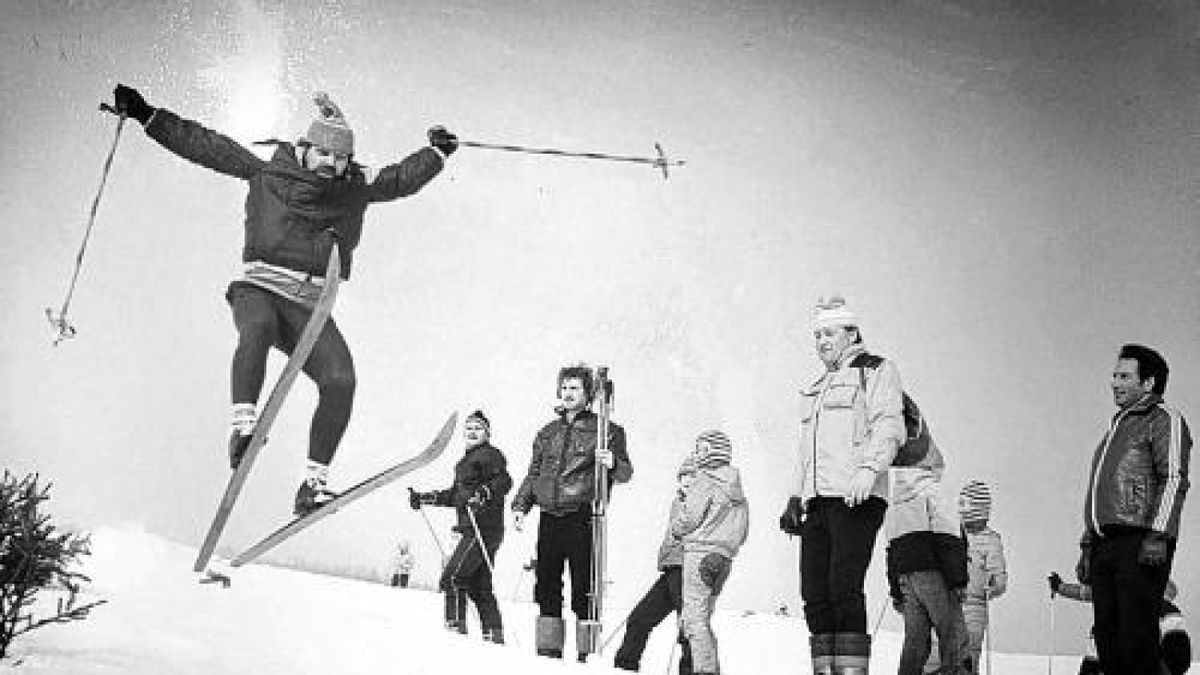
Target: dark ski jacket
x: 482, y: 465
x: 1139, y: 473
x: 561, y: 472
x: 292, y: 214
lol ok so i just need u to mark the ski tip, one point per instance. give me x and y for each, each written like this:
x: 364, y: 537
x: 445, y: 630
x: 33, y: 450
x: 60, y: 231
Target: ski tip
x: 212, y: 577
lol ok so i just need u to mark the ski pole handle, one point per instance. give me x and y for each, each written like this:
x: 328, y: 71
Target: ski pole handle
x: 104, y: 107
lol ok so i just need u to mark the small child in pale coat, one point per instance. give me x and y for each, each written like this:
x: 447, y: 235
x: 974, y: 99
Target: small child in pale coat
x: 712, y: 523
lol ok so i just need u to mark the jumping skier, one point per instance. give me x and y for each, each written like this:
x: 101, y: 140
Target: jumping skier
x: 309, y: 195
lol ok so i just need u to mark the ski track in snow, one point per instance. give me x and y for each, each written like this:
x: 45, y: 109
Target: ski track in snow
x: 159, y: 620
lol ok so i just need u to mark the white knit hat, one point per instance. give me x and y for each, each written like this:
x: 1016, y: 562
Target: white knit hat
x: 329, y: 130
x: 719, y: 451
x: 832, y: 311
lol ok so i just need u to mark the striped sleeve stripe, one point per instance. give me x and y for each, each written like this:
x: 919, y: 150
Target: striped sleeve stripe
x: 1166, y: 505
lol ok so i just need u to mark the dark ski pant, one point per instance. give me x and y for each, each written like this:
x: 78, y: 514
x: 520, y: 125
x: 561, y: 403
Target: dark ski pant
x: 564, y: 540
x: 664, y: 597
x: 467, y: 573
x: 264, y: 320
x: 836, y: 542
x: 1126, y: 603
x: 400, y: 580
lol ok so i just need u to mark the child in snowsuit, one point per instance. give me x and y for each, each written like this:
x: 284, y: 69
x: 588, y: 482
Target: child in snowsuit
x: 402, y: 565
x: 985, y: 564
x: 665, y: 596
x: 712, y: 525
x: 926, y: 570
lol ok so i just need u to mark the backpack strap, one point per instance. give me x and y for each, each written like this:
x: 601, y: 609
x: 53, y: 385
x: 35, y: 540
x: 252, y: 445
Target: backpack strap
x: 862, y: 362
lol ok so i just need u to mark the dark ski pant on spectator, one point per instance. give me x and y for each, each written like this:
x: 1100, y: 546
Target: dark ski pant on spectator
x: 1126, y: 603
x: 264, y: 320
x: 835, y: 551
x: 467, y: 573
x: 664, y: 597
x: 564, y: 540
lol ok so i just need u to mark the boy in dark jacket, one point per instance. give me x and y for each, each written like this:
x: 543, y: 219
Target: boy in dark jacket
x: 307, y: 196
x: 480, y: 482
x: 926, y: 570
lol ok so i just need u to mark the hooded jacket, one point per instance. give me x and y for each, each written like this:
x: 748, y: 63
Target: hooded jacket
x: 1139, y: 473
x: 561, y: 476
x: 714, y: 516
x: 292, y: 214
x: 846, y: 426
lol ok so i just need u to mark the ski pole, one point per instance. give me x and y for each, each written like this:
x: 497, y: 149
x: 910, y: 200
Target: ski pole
x: 479, y: 540
x: 660, y: 162
x: 1050, y: 651
x: 878, y: 621
x: 613, y: 634
x: 59, y: 321
x: 433, y: 533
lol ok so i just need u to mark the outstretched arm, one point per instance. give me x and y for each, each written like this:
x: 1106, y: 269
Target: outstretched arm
x: 190, y: 140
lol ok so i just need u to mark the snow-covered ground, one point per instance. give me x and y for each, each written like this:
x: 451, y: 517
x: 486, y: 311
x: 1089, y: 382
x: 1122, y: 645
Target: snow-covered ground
x: 159, y: 620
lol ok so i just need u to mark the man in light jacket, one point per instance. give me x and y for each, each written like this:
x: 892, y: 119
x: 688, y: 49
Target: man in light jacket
x: 852, y: 425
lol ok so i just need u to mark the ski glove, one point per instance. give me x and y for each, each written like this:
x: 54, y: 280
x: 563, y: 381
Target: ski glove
x: 416, y: 499
x: 792, y: 520
x: 1055, y: 582
x: 482, y: 494
x: 443, y: 140
x: 1154, y: 551
x: 129, y: 101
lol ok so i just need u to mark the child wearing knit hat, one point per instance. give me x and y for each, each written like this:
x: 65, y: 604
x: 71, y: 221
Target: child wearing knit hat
x: 712, y: 524
x: 987, y: 570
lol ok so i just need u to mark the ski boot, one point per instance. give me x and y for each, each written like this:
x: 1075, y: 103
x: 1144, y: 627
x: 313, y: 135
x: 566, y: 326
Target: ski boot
x: 238, y: 443
x: 311, y: 496
x: 550, y: 635
x: 495, y: 635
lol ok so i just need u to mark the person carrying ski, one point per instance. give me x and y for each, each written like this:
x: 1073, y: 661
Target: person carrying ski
x: 308, y: 196
x: 851, y: 428
x: 666, y: 595
x: 1131, y: 512
x: 561, y: 482
x: 712, y: 525
x: 1176, y: 645
x: 926, y: 571
x: 481, y: 481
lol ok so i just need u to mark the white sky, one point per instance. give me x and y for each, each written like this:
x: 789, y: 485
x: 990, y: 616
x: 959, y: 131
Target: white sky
x: 1005, y: 201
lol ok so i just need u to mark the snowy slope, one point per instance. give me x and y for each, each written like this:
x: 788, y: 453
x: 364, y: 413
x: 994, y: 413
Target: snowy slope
x: 158, y: 620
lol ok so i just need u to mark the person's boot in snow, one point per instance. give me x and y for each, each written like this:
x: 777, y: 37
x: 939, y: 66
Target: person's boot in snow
x: 550, y: 635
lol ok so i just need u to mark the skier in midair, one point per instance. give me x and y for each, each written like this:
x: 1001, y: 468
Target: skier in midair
x: 481, y: 481
x: 560, y: 481
x: 310, y: 194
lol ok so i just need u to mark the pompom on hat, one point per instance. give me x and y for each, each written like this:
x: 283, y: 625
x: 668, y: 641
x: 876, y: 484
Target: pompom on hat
x: 478, y: 416
x: 975, y: 501
x: 329, y: 130
x: 832, y: 311
x: 719, y: 451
